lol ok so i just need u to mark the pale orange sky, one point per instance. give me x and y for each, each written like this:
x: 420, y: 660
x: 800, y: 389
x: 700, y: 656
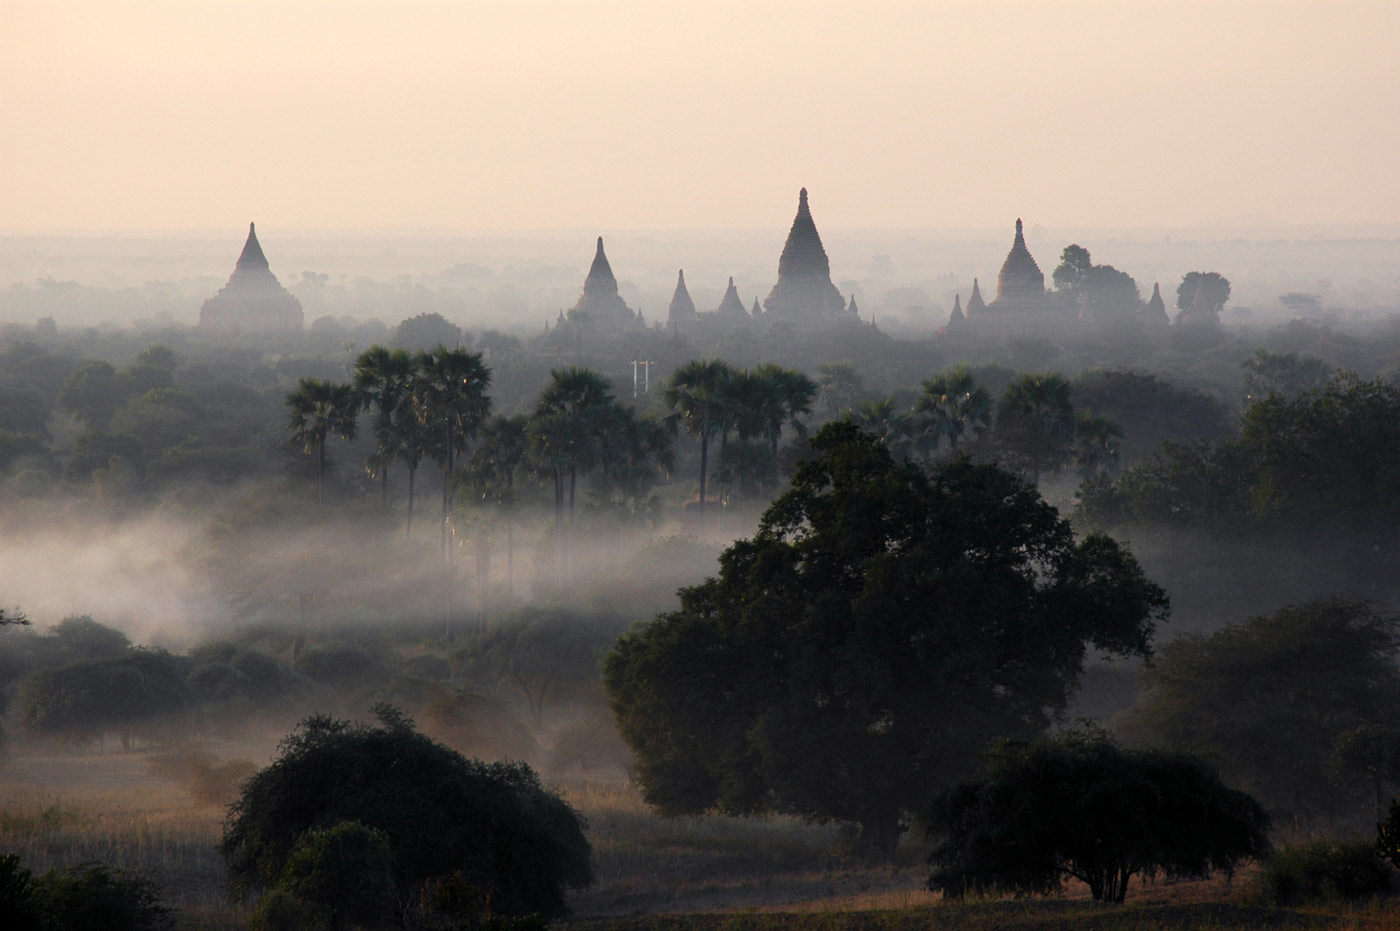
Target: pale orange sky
x: 652, y: 114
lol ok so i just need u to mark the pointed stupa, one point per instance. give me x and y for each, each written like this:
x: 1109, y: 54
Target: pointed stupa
x: 804, y: 291
x: 1155, y: 313
x: 1020, y: 280
x: 730, y: 307
x: 956, y: 318
x: 682, y: 308
x: 975, y: 304
x: 755, y: 311
x: 251, y: 259
x: 253, y: 301
x: 852, y: 309
x: 600, y: 301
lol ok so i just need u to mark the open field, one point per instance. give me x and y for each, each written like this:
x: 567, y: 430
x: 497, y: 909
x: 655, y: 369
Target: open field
x: 654, y: 874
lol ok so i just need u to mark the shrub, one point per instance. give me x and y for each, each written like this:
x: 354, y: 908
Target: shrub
x: 279, y: 910
x: 16, y: 888
x: 1325, y: 869
x: 1077, y: 806
x: 344, y: 871
x: 440, y: 812
x: 95, y: 897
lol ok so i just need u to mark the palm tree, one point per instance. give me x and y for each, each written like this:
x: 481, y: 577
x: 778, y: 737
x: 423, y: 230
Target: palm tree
x: 840, y: 385
x: 383, y: 378
x: 320, y: 408
x: 1096, y: 444
x: 412, y: 436
x: 793, y: 393
x: 1036, y: 420
x: 565, y: 440
x: 954, y: 406
x: 691, y: 392
x: 499, y: 454
x: 450, y: 389
x: 879, y: 418
x: 637, y: 452
x: 584, y: 398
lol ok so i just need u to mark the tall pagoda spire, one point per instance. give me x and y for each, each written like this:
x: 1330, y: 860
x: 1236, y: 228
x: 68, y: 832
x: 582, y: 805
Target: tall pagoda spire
x: 804, y: 290
x: 253, y: 302
x: 252, y: 258
x: 600, y: 281
x: 1020, y: 278
x: 600, y: 301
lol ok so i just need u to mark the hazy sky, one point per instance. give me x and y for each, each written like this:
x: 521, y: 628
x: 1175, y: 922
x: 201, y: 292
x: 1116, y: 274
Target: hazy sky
x: 511, y: 114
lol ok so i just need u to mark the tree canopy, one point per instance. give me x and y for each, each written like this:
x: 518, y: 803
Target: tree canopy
x: 1272, y: 697
x: 441, y: 813
x: 1078, y: 807
x: 882, y: 625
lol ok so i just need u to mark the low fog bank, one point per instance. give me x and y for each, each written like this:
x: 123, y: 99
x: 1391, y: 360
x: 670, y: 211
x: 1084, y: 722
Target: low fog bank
x: 907, y: 281
x: 173, y: 579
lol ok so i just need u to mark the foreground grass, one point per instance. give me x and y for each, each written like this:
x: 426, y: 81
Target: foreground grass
x: 1038, y: 915
x: 654, y: 874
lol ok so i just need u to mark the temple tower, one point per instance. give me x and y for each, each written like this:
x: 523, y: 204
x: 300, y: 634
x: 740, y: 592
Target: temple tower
x: 1020, y: 281
x: 253, y: 301
x: 682, y: 310
x: 600, y: 302
x: 804, y: 292
x: 730, y: 307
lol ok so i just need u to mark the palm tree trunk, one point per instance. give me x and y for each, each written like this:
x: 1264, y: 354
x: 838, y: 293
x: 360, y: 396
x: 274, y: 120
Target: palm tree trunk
x: 510, y: 559
x: 559, y: 527
x: 384, y: 485
x: 704, y: 463
x: 408, y: 526
x: 483, y: 579
x: 446, y: 487
x: 569, y: 545
x: 320, y: 471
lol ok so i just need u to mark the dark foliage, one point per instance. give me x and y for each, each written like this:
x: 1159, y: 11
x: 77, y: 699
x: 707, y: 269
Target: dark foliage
x: 1325, y: 869
x: 138, y: 695
x: 89, y: 897
x: 1077, y: 806
x: 440, y: 812
x: 1270, y: 698
x: 859, y: 651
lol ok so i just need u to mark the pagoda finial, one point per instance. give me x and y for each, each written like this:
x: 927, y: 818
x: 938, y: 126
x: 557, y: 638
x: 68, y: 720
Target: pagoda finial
x: 802, y: 197
x: 1018, y: 226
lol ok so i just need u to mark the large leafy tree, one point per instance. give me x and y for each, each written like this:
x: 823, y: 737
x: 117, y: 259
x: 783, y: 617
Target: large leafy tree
x: 1078, y: 807
x: 1271, y: 699
x: 879, y: 629
x: 318, y: 409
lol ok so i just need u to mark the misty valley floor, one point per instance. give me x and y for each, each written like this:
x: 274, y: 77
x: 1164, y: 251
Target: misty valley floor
x: 688, y: 874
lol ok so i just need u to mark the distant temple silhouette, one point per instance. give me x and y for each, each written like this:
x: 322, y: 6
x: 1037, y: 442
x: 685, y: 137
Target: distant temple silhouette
x: 804, y: 292
x: 1021, y: 304
x: 253, y: 301
x: 600, y: 305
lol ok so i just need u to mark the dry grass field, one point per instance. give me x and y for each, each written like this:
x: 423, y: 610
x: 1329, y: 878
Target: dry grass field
x: 687, y: 874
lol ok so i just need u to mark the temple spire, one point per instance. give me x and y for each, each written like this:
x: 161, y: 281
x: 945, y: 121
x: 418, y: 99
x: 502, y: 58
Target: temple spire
x: 251, y: 258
